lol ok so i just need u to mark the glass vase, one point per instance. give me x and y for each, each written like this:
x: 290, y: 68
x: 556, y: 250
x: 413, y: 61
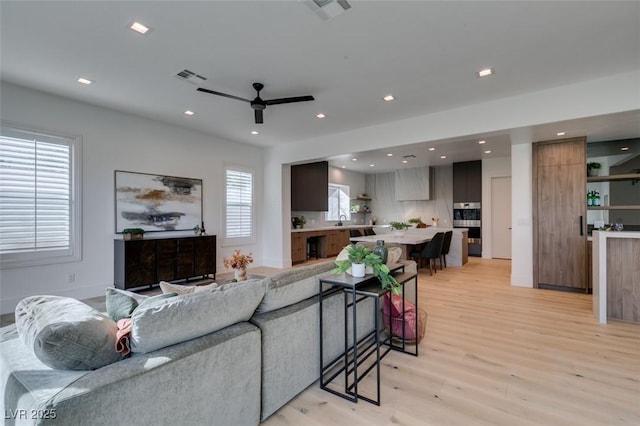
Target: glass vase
x: 381, y: 250
x: 240, y: 274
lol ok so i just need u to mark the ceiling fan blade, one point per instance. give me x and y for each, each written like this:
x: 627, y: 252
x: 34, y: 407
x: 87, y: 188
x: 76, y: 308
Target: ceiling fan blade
x: 289, y: 100
x: 201, y: 89
x: 258, y: 115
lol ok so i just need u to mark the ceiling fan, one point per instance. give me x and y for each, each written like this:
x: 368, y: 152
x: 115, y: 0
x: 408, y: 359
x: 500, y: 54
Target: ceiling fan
x: 259, y: 104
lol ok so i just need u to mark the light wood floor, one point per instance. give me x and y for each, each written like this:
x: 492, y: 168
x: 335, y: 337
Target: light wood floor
x: 496, y: 355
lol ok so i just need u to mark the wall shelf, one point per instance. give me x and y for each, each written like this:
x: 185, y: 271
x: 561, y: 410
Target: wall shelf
x: 628, y: 176
x: 613, y: 207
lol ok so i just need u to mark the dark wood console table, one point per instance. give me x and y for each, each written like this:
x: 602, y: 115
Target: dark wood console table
x: 148, y: 261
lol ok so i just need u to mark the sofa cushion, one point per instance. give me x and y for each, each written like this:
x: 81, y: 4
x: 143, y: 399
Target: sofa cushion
x: 121, y: 303
x: 193, y: 315
x: 185, y: 289
x: 292, y: 286
x: 65, y: 333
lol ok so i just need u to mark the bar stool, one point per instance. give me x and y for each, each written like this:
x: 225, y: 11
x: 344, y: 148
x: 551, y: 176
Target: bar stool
x: 312, y: 248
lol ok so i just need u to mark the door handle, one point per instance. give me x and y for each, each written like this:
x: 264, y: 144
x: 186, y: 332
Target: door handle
x: 581, y: 230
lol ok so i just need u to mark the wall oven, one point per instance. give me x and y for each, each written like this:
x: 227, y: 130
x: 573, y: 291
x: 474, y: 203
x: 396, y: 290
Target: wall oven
x: 469, y: 215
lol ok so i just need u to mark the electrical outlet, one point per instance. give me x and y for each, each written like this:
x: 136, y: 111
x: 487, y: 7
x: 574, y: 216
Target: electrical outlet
x: 71, y: 278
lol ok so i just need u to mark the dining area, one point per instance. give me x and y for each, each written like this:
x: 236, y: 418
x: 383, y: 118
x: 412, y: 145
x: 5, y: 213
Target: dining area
x: 428, y: 246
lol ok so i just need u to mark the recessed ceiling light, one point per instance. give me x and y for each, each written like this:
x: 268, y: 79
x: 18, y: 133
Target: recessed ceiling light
x: 624, y: 148
x: 139, y: 28
x: 321, y: 115
x: 482, y: 142
x: 84, y: 81
x: 484, y: 73
x: 354, y: 159
x: 388, y: 98
x: 389, y: 155
x: 255, y: 132
x: 371, y: 165
x: 188, y: 112
x: 344, y: 167
x: 443, y: 156
x: 432, y: 149
x: 487, y: 152
x: 561, y: 133
x: 405, y: 161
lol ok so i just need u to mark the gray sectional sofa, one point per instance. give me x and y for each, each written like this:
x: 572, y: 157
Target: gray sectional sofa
x: 254, y: 348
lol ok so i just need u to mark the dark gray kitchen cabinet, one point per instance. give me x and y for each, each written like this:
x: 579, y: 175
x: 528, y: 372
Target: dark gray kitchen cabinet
x: 310, y: 187
x: 467, y: 182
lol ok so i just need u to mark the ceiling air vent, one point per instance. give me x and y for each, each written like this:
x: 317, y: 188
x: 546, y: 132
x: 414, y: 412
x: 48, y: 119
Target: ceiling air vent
x: 191, y: 77
x: 327, y: 9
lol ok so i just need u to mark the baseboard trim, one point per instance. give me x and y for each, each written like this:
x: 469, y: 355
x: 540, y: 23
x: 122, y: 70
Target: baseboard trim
x: 563, y: 288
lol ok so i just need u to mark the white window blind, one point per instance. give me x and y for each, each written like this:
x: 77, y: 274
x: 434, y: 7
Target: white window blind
x: 37, y: 196
x: 239, y: 204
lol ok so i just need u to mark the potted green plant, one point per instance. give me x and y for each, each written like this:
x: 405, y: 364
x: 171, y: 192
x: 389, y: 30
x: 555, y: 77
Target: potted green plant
x: 593, y: 168
x: 398, y: 227
x: 359, y: 258
x: 418, y: 222
x: 132, y: 233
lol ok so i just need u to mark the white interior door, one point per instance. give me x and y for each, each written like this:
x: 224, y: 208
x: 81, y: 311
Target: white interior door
x: 501, y: 217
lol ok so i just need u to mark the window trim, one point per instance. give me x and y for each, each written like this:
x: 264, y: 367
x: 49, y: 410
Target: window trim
x: 235, y: 241
x: 74, y: 252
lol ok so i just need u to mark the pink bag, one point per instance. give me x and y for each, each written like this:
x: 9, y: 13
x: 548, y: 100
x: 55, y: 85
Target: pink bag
x: 398, y: 319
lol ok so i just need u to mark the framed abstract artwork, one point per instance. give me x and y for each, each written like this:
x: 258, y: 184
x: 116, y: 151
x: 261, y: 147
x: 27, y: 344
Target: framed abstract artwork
x: 157, y: 202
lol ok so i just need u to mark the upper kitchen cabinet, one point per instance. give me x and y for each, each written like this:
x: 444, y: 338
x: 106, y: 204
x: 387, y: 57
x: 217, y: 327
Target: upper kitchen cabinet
x: 467, y: 182
x: 310, y: 187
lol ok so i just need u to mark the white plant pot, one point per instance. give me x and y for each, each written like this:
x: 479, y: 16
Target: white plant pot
x: 357, y: 270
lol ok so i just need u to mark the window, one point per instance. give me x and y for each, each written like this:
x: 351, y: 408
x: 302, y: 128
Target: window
x: 39, y: 197
x: 239, y: 216
x: 339, y: 202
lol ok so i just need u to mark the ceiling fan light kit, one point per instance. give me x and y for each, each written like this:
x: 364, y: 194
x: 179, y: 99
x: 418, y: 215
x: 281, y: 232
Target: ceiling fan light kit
x: 258, y: 104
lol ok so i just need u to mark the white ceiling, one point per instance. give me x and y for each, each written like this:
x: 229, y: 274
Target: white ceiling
x: 425, y: 53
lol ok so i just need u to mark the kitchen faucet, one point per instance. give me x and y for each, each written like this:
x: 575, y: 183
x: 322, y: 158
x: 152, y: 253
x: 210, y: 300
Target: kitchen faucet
x: 340, y: 219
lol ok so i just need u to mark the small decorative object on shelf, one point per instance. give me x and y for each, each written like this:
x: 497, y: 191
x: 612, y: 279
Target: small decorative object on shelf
x: 434, y: 221
x: 132, y: 234
x: 593, y: 168
x: 361, y: 255
x: 298, y: 222
x: 238, y: 262
x: 199, y: 230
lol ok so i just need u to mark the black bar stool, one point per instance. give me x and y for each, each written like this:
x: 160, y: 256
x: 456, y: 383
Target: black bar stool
x: 312, y: 248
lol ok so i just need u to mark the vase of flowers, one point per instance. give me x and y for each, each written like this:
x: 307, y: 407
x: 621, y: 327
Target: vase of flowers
x: 238, y: 262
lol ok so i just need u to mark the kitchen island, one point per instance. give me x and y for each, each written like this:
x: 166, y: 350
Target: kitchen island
x: 616, y: 276
x: 458, y: 252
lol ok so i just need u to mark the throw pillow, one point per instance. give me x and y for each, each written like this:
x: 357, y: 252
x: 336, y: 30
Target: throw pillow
x: 193, y: 315
x: 185, y: 289
x: 393, y: 255
x: 65, y: 333
x: 122, y: 303
x: 156, y: 300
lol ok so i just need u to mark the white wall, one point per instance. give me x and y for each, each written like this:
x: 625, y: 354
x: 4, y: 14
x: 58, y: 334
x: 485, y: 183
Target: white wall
x: 521, y: 212
x: 116, y: 141
x: 491, y: 167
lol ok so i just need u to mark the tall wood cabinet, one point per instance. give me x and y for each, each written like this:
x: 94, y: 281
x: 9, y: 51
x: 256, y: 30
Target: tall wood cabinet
x: 559, y: 213
x: 145, y: 262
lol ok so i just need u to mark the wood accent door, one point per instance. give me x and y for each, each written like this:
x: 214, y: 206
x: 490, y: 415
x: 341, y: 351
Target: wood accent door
x: 204, y: 255
x: 560, y: 213
x: 134, y: 263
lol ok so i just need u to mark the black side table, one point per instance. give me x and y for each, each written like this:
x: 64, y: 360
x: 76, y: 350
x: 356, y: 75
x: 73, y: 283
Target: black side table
x: 357, y: 351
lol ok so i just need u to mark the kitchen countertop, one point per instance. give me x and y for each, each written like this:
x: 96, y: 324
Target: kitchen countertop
x: 330, y: 228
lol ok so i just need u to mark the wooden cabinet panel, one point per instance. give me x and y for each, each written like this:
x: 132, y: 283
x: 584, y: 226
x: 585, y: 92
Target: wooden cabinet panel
x: 560, y: 214
x: 134, y: 263
x: 204, y: 255
x: 298, y: 247
x: 310, y: 187
x: 140, y: 263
